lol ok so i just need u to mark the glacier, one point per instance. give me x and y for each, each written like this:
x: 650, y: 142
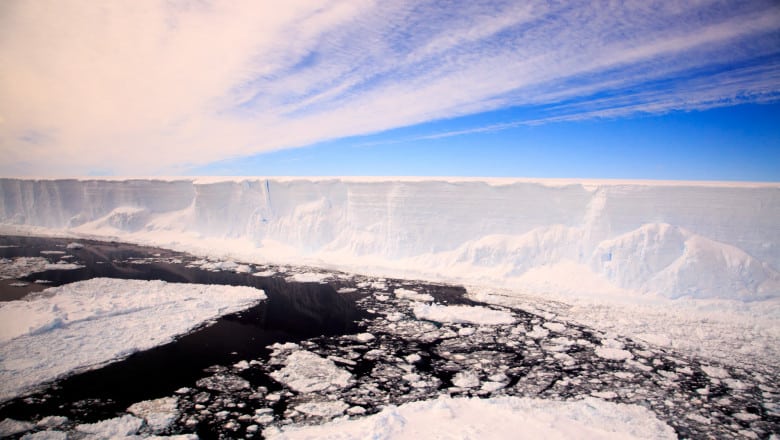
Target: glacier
x: 669, y: 239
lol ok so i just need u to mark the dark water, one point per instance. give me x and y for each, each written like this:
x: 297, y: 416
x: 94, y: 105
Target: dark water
x: 292, y: 312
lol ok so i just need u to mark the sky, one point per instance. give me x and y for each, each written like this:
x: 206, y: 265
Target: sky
x: 576, y: 89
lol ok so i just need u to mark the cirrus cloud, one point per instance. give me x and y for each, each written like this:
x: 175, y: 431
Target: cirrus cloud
x: 155, y: 87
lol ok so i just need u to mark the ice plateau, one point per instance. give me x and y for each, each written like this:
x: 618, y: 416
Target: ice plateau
x: 684, y: 239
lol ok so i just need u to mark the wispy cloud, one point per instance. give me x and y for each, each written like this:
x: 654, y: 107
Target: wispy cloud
x: 155, y: 87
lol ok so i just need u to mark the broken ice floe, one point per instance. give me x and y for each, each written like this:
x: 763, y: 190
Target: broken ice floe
x: 88, y: 323
x: 305, y: 372
x: 463, y: 314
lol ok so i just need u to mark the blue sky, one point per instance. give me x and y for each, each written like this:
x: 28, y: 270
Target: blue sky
x: 739, y: 142
x: 593, y: 89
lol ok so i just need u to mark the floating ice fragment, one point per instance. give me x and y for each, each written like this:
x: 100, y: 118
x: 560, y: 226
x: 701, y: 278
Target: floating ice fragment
x: 112, y: 428
x: 323, y: 409
x: 158, y: 413
x: 538, y: 332
x: 466, y: 331
x: 716, y: 372
x: 463, y: 314
x: 241, y: 365
x: 307, y: 372
x: 613, y: 354
x: 365, y: 337
x: 46, y: 435
x: 466, y: 379
x: 412, y: 295
x: 226, y: 383
x: 555, y: 326
x: 9, y: 427
x: 51, y: 422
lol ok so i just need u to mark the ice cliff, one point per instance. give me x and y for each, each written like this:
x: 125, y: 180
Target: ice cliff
x: 672, y: 239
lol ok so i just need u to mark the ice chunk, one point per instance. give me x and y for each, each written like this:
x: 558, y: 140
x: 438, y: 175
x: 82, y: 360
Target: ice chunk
x: 51, y: 422
x: 716, y: 372
x: 46, y: 435
x: 225, y: 383
x: 307, y: 372
x: 112, y: 428
x: 365, y: 337
x: 323, y: 409
x: 412, y: 295
x: 309, y: 277
x: 158, y: 413
x: 538, y: 332
x: 613, y: 354
x: 9, y: 427
x: 555, y: 326
x: 466, y: 379
x: 463, y: 314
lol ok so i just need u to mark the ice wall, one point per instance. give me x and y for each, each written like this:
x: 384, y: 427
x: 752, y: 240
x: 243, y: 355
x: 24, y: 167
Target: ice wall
x: 683, y: 239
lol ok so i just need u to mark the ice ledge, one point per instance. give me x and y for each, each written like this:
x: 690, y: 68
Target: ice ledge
x: 492, y: 181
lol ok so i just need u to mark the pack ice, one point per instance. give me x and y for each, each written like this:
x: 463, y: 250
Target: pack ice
x: 683, y: 239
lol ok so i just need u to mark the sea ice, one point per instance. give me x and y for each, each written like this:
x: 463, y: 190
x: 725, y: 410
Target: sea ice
x: 496, y: 418
x: 307, y: 372
x: 412, y: 295
x: 323, y: 409
x: 86, y: 324
x: 117, y: 427
x: 9, y: 427
x: 463, y: 314
x: 158, y: 413
x: 613, y: 354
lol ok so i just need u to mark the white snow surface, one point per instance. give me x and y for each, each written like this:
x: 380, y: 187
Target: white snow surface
x: 496, y: 418
x: 86, y: 324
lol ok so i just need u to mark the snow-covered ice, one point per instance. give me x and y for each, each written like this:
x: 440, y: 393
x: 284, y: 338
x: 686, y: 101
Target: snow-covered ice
x: 496, y: 418
x: 463, y: 314
x: 9, y: 427
x: 307, y: 372
x: 84, y: 325
x: 158, y: 413
x: 309, y: 277
x: 412, y: 295
x: 23, y: 266
x: 117, y: 427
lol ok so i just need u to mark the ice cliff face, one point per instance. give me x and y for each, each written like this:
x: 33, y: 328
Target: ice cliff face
x: 714, y: 240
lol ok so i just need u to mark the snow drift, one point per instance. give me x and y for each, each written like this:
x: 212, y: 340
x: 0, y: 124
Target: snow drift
x: 700, y: 240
